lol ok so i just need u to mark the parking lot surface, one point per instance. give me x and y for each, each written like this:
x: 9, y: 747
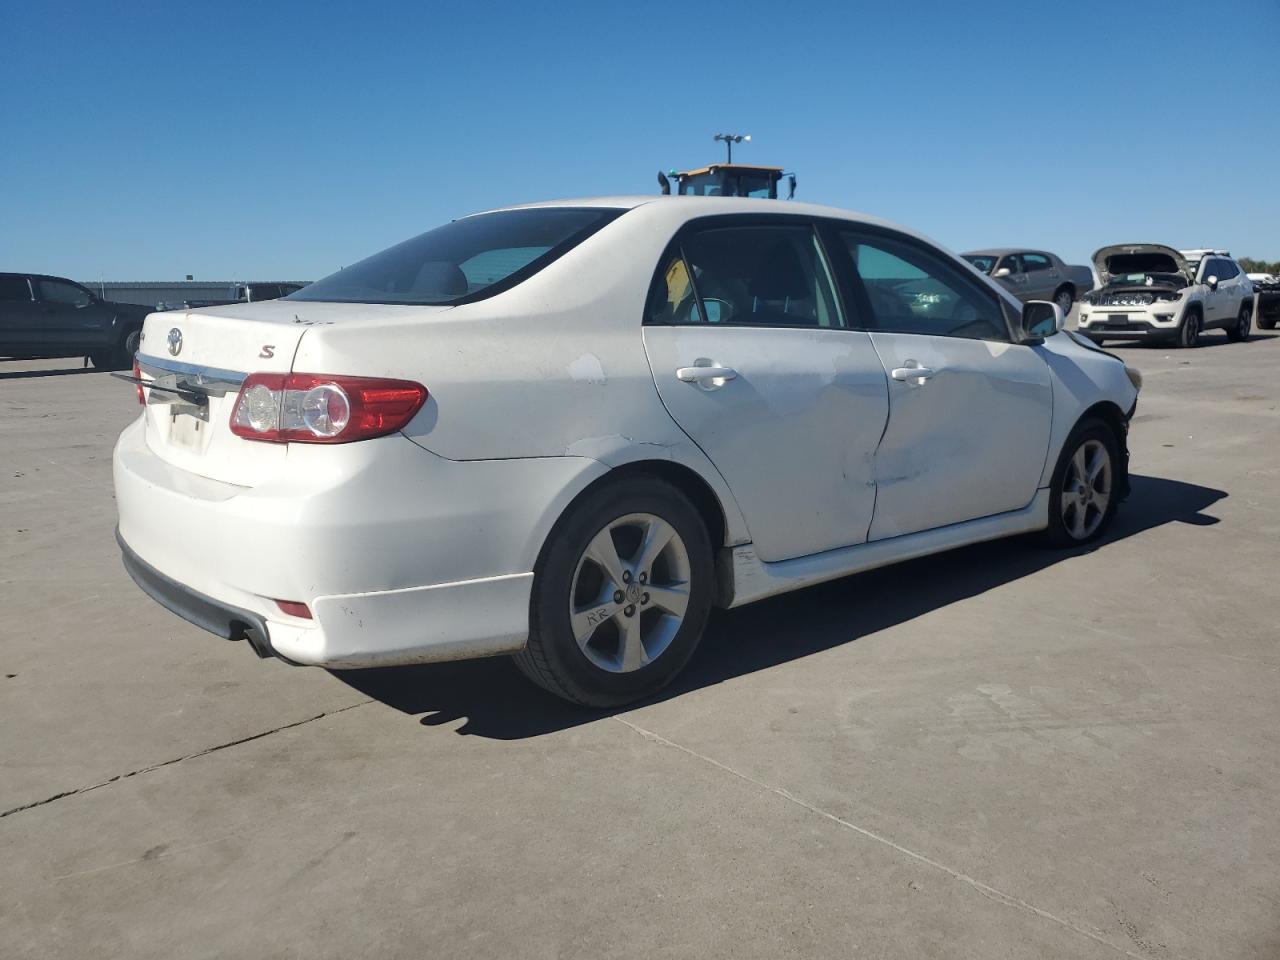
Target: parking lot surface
x: 996, y: 752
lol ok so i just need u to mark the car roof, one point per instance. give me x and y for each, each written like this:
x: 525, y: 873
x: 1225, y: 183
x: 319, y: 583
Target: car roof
x: 999, y: 251
x: 711, y: 206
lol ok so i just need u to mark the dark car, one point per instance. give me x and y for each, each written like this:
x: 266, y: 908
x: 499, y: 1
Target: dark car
x: 43, y: 316
x: 240, y: 293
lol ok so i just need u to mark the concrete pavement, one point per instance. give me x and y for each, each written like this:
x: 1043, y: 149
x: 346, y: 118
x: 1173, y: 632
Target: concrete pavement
x: 997, y: 752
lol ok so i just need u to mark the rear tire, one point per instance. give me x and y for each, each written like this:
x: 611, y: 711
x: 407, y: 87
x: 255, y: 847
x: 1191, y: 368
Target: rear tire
x: 1239, y: 330
x: 1189, y: 332
x: 609, y: 621
x: 1084, y: 492
x: 1265, y: 322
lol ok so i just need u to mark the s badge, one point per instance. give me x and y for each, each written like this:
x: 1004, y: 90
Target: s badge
x: 268, y: 351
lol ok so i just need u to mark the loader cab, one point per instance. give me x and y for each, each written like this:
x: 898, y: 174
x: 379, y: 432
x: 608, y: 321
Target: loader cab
x: 728, y: 180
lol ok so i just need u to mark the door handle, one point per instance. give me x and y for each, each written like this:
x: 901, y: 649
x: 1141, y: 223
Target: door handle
x: 705, y: 374
x: 917, y: 373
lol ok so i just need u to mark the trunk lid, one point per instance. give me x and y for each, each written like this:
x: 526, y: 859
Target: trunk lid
x: 206, y: 354
x: 1128, y: 258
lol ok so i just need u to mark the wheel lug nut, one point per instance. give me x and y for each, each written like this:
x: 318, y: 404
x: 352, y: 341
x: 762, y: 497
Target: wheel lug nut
x: 617, y: 596
x: 644, y: 578
x: 626, y: 576
x: 644, y: 599
x: 630, y: 611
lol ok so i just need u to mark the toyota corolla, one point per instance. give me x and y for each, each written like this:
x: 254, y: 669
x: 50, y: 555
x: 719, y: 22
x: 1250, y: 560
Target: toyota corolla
x: 566, y: 431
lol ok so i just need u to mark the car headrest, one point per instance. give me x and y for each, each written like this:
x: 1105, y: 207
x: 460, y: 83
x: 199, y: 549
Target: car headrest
x: 441, y: 278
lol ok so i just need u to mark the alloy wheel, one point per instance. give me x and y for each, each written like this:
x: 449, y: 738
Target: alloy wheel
x: 1086, y: 490
x: 1064, y: 301
x: 629, y: 593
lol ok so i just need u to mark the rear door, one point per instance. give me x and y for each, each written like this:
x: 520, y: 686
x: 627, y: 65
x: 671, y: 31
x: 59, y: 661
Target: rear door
x: 969, y: 410
x: 73, y: 319
x: 19, y: 315
x: 746, y: 336
x: 1042, y: 278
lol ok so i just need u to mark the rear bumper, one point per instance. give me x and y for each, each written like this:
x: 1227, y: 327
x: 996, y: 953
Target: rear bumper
x: 400, y: 555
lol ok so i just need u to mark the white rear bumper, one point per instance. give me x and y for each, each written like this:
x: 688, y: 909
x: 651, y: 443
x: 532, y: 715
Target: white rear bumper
x: 401, y: 556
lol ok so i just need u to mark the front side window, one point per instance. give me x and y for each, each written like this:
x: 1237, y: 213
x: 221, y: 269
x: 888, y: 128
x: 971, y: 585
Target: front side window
x: 770, y: 276
x: 1032, y: 262
x: 14, y: 288
x: 1229, y: 270
x: 914, y: 291
x: 1011, y: 264
x: 465, y: 260
x: 58, y: 291
x: 982, y: 262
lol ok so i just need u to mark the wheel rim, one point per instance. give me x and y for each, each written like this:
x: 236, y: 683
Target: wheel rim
x: 1086, y: 489
x: 1065, y: 302
x: 630, y: 593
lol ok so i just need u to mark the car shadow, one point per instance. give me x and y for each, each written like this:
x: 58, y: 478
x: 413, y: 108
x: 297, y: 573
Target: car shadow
x: 497, y: 702
x: 32, y: 374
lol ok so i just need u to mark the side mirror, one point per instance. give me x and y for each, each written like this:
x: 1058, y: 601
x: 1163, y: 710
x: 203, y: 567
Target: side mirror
x: 1212, y: 282
x: 1002, y: 273
x: 1041, y: 319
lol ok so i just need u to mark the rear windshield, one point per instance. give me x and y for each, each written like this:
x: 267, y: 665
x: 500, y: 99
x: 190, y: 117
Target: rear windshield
x: 465, y: 260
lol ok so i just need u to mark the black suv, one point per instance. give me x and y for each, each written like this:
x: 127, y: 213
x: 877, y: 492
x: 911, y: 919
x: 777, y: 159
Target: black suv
x: 43, y: 316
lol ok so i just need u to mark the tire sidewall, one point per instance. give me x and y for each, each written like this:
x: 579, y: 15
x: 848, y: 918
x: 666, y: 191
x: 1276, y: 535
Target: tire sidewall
x: 553, y: 580
x: 1184, y: 333
x: 1090, y: 429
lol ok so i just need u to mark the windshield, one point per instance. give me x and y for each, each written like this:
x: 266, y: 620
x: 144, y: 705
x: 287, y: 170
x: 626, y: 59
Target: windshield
x: 983, y: 263
x: 465, y: 260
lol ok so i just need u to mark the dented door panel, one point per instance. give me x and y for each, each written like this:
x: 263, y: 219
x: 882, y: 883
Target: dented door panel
x: 793, y: 432
x: 970, y: 441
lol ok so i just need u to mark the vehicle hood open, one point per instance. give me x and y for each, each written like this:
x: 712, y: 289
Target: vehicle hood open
x: 1125, y: 258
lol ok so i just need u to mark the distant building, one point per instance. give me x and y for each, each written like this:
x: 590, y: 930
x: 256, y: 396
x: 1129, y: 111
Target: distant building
x: 149, y: 293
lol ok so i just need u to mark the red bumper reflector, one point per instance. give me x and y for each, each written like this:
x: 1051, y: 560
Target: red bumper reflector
x: 294, y: 608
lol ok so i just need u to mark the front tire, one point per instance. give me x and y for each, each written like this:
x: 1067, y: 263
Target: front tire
x: 1189, y: 332
x: 1084, y: 492
x: 621, y: 595
x: 1065, y: 298
x: 121, y: 356
x: 1244, y: 324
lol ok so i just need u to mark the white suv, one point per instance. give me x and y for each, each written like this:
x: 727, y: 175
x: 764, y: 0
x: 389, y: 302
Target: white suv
x: 1153, y: 292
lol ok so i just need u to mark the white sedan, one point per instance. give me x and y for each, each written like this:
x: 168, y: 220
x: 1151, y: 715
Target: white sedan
x: 566, y: 431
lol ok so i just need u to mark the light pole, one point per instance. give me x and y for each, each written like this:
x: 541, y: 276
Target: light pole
x: 729, y: 140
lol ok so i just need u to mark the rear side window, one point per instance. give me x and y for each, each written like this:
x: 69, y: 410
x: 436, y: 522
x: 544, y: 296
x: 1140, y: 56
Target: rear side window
x: 14, y: 288
x: 769, y: 276
x: 465, y: 260
x: 1034, y: 261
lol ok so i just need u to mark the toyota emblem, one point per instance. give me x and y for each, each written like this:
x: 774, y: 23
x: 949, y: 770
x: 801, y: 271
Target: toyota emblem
x: 175, y: 342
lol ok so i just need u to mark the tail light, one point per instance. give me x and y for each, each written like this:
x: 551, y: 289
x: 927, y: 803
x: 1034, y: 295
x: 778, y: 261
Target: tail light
x: 137, y: 376
x: 312, y: 408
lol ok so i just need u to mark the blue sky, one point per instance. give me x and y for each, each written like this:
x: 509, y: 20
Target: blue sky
x: 265, y: 140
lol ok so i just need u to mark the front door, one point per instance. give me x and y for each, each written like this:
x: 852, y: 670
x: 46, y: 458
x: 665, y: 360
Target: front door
x: 746, y: 336
x: 73, y: 320
x: 969, y: 410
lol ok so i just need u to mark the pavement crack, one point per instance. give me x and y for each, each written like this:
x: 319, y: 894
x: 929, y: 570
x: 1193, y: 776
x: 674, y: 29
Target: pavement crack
x: 986, y: 890
x: 168, y: 763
